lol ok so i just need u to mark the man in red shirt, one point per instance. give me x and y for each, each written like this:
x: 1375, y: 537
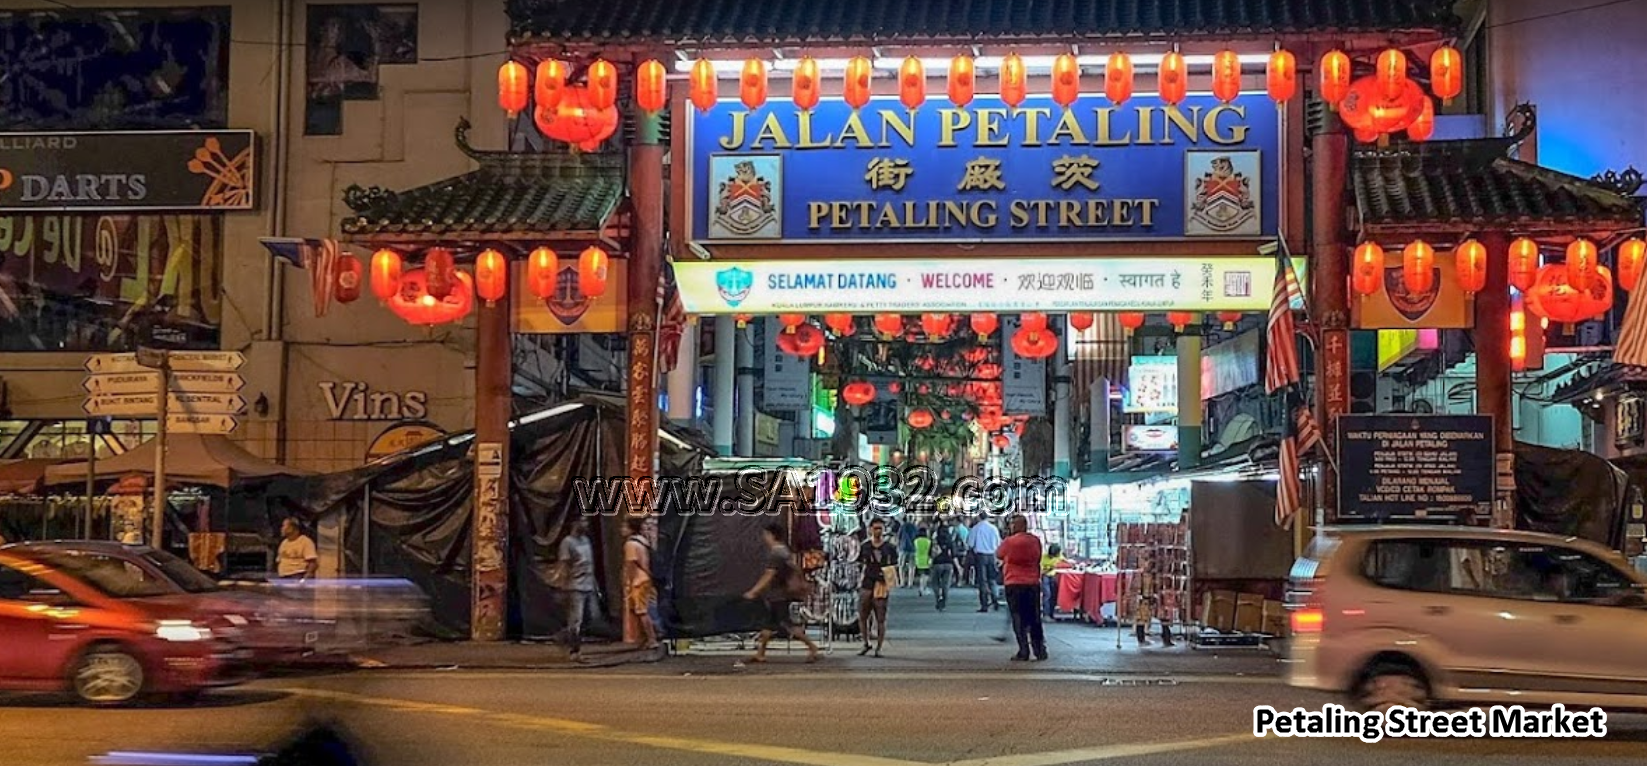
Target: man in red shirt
x: 1020, y: 556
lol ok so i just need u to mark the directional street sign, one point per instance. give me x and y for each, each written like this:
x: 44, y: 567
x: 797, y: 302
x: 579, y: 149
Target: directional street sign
x: 144, y: 405
x: 200, y: 424
x: 123, y: 383
x: 205, y: 361
x: 108, y: 364
x: 206, y: 382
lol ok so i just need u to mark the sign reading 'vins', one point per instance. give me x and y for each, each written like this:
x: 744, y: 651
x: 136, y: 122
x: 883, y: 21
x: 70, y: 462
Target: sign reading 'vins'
x: 127, y: 171
x: 1144, y: 170
x: 1404, y: 467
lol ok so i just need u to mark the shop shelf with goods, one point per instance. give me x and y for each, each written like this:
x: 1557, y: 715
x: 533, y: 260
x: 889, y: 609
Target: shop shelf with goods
x: 1154, y: 573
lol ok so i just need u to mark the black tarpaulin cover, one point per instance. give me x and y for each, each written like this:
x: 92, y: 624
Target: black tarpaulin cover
x: 420, y: 510
x: 1568, y: 492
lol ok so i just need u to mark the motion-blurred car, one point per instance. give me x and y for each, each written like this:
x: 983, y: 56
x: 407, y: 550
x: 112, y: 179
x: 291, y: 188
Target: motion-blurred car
x: 1414, y: 616
x: 101, y: 629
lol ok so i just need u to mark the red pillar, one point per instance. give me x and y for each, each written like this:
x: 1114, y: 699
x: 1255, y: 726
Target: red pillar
x: 646, y: 189
x: 1329, y: 289
x: 1492, y: 370
x: 494, y: 371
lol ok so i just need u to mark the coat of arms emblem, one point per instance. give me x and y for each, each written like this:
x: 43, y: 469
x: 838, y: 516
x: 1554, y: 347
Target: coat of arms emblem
x: 734, y: 285
x: 746, y: 200
x: 1222, y: 201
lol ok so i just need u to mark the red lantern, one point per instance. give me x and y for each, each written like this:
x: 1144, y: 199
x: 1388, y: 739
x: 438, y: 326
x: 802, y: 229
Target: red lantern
x: 841, y: 324
x: 551, y: 83
x: 1066, y: 80
x: 1014, y: 80
x: 1631, y: 255
x: 893, y: 387
x: 1392, y: 74
x: 439, y: 267
x: 1226, y: 75
x: 920, y: 417
x: 1173, y: 78
x: 985, y: 324
x: 512, y: 87
x: 1034, y: 344
x: 912, y: 83
x: 1523, y: 264
x: 1418, y: 267
x: 856, y: 90
x: 1446, y: 73
x: 1518, y: 332
x: 576, y: 120
x: 1131, y: 320
x: 1001, y: 442
x: 743, y: 320
x: 791, y: 321
x: 802, y: 341
x: 1423, y: 127
x: 386, y: 268
x: 1581, y: 264
x: 889, y: 324
x: 963, y: 80
x: 1365, y: 109
x: 705, y: 90
x: 1118, y: 76
x: 858, y: 393
x: 1367, y: 136
x: 1229, y: 318
x: 752, y: 84
x: 491, y: 276
x: 543, y: 272
x: 349, y: 276
x: 1553, y: 296
x: 804, y: 84
x: 937, y: 325
x: 1179, y: 319
x: 1368, y: 268
x: 1081, y: 321
x: 652, y: 86
x: 592, y: 264
x: 1281, y: 76
x: 1470, y: 261
x: 1335, y: 77
x: 603, y: 84
x: 1033, y: 321
x: 413, y: 302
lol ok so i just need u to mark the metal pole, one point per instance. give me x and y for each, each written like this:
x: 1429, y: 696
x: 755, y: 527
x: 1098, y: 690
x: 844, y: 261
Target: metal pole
x: 91, y: 480
x: 366, y: 535
x: 163, y: 372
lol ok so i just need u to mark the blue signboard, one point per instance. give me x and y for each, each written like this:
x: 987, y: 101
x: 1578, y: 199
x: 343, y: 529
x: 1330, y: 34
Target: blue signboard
x: 1096, y: 171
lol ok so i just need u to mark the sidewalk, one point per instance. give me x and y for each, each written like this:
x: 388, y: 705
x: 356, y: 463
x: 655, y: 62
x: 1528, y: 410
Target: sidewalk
x: 920, y: 639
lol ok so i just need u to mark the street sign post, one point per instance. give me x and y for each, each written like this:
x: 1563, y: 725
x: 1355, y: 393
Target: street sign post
x: 148, y: 404
x: 189, y: 423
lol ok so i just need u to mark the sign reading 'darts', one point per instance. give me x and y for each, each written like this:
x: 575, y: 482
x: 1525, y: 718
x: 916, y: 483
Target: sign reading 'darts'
x: 127, y: 170
x: 1144, y: 170
x: 1075, y: 284
x: 1405, y: 467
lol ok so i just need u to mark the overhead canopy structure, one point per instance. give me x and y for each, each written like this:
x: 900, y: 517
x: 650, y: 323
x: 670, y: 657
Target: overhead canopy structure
x: 22, y: 477
x: 200, y: 459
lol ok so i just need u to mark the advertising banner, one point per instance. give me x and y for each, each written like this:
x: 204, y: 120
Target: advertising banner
x: 1149, y: 439
x: 786, y: 379
x: 1094, y: 171
x: 1409, y: 467
x: 1231, y: 365
x: 1152, y: 385
x: 569, y: 310
x: 918, y: 286
x: 1023, y: 381
x: 127, y: 171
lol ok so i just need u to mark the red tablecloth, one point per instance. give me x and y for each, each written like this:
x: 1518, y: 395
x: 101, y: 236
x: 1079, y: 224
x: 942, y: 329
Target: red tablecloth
x: 1097, y: 590
x: 1069, y: 590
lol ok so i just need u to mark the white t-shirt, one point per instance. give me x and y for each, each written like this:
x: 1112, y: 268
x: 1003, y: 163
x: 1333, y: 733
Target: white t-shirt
x: 294, y: 556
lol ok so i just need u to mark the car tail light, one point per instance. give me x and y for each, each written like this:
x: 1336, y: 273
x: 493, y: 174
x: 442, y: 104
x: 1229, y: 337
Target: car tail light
x: 1308, y: 620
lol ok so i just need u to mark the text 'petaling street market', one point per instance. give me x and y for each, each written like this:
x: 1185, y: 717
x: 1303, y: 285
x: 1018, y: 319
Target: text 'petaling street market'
x: 1202, y: 169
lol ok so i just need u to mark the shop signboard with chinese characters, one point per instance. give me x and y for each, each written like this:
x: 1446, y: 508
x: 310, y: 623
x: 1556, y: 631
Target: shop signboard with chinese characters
x: 1233, y: 283
x: 1415, y: 467
x: 884, y: 173
x: 172, y: 170
x: 1628, y: 421
x: 1023, y: 380
x: 786, y: 379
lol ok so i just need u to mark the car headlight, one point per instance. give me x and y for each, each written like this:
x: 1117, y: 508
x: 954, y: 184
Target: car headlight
x: 182, y: 630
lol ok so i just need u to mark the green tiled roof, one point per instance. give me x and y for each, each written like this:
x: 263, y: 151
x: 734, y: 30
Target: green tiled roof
x: 1472, y: 184
x: 521, y: 193
x: 729, y: 22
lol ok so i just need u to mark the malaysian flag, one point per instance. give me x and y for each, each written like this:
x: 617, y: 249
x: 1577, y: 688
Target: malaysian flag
x: 672, y: 323
x: 318, y: 256
x: 1281, y: 357
x: 1631, y: 347
x: 1289, y: 490
x: 1281, y: 374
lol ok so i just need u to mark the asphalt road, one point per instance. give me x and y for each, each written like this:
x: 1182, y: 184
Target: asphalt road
x: 822, y: 717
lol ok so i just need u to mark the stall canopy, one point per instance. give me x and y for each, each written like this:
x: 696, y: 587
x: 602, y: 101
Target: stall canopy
x: 199, y: 459
x: 24, y: 477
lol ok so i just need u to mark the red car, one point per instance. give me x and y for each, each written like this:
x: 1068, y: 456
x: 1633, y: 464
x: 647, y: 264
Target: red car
x: 103, y: 629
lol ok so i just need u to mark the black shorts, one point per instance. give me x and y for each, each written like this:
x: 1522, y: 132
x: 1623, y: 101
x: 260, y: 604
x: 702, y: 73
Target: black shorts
x: 777, y: 615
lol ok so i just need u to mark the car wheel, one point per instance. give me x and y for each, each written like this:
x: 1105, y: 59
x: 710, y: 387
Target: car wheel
x: 1390, y: 685
x: 107, y: 675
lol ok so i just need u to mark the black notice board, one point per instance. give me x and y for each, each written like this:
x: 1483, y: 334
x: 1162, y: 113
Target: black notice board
x: 1415, y: 467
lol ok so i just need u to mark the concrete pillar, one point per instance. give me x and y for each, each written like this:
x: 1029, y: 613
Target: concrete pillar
x: 1492, y: 371
x: 746, y: 392
x: 1100, y: 425
x: 494, y: 372
x: 726, y: 332
x: 1063, y: 437
x: 1329, y: 292
x: 683, y: 380
x: 1189, y: 398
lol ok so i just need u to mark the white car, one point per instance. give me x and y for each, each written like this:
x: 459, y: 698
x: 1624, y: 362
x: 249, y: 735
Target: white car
x: 1415, y: 616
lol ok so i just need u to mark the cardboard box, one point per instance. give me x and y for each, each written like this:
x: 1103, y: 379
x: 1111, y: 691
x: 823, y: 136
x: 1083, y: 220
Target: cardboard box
x: 1275, y: 618
x: 1249, y: 613
x: 1218, y: 610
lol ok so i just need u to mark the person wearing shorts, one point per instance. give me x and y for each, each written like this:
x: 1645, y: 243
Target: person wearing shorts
x: 878, y: 554
x: 774, y: 585
x: 640, y: 591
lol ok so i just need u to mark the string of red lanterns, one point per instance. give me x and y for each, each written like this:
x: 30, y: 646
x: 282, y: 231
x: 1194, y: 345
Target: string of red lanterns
x: 439, y: 292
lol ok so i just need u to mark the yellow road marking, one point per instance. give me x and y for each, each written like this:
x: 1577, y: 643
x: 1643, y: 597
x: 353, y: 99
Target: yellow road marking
x: 775, y: 753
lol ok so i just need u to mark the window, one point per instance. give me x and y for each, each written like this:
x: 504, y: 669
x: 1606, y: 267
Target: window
x: 1569, y: 576
x: 114, y: 576
x: 1421, y: 565
x: 17, y: 586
